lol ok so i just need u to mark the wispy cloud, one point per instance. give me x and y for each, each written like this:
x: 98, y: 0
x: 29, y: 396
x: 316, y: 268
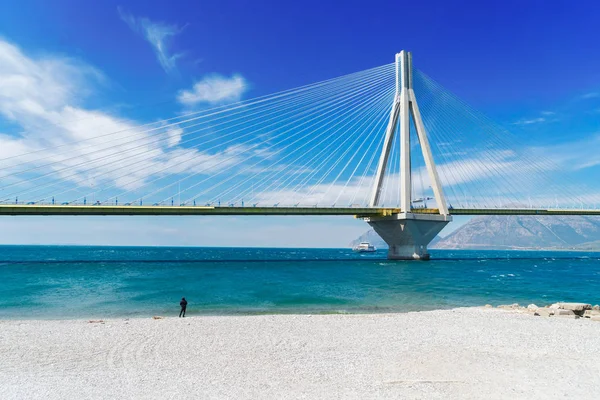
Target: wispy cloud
x: 214, y: 89
x: 573, y: 155
x: 545, y: 116
x: 158, y: 34
x: 530, y: 121
x: 474, y: 182
x: 590, y: 95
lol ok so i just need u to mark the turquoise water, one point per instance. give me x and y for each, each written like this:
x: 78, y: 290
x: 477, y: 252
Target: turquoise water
x: 100, y: 282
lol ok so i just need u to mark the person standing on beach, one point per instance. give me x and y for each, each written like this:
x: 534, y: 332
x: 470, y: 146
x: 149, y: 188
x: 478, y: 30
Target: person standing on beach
x: 183, y: 304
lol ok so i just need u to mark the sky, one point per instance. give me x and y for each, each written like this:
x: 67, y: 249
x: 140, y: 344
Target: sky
x: 70, y: 69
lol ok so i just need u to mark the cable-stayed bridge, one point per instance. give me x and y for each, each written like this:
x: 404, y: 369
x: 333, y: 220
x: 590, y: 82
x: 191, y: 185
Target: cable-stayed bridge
x: 389, y: 145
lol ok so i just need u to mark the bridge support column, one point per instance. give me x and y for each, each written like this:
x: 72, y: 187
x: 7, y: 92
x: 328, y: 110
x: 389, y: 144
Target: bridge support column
x: 408, y: 234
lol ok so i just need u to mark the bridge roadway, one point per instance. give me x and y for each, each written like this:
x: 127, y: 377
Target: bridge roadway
x: 358, y: 212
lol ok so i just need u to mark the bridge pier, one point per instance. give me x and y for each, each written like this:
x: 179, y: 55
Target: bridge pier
x: 408, y: 234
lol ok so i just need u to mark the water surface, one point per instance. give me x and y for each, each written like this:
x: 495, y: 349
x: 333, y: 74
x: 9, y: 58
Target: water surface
x: 101, y: 282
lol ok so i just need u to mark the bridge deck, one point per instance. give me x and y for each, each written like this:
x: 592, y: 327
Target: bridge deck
x: 40, y: 209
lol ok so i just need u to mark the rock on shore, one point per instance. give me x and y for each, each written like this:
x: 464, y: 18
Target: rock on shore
x: 565, y: 310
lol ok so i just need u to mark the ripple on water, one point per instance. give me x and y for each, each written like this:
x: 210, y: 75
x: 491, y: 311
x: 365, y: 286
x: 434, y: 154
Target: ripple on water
x: 318, y: 279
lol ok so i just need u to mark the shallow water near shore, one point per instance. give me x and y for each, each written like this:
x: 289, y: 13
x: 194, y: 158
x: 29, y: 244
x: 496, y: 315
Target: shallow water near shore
x: 56, y: 282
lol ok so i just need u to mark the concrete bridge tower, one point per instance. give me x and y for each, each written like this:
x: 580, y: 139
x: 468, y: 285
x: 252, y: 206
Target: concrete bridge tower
x: 407, y: 234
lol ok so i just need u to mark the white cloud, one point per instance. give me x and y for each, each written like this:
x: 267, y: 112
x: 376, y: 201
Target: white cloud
x: 530, y: 121
x: 323, y: 195
x: 573, y: 155
x: 545, y: 117
x: 481, y: 179
x: 158, y: 34
x: 37, y: 88
x: 43, y: 95
x: 214, y: 89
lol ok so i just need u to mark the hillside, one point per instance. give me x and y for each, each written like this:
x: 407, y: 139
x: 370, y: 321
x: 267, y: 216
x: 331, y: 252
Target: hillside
x: 524, y: 232
x: 590, y: 246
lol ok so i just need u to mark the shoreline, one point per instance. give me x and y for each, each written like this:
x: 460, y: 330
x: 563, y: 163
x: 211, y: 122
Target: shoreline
x: 297, y: 312
x: 472, y: 352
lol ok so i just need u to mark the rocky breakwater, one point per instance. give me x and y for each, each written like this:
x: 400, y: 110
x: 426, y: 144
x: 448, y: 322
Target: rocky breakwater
x: 562, y: 310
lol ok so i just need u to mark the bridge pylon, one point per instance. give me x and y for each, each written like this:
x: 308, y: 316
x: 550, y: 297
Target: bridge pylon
x: 407, y: 234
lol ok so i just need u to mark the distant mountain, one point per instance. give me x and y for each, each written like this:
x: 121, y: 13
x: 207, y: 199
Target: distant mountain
x: 590, y: 246
x: 518, y: 232
x: 523, y: 232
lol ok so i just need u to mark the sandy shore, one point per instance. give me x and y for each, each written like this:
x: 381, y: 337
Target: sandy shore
x: 463, y: 353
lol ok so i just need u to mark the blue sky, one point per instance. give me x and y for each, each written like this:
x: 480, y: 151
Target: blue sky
x: 532, y: 66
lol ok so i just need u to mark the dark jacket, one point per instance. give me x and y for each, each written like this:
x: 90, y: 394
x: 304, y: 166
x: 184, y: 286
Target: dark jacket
x: 183, y: 303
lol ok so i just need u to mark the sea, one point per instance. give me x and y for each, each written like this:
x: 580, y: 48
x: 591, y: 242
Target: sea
x: 70, y: 282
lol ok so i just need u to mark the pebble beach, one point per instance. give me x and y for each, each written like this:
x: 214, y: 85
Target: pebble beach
x: 466, y: 353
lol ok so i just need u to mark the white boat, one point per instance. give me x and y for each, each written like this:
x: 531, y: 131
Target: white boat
x: 364, y: 247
